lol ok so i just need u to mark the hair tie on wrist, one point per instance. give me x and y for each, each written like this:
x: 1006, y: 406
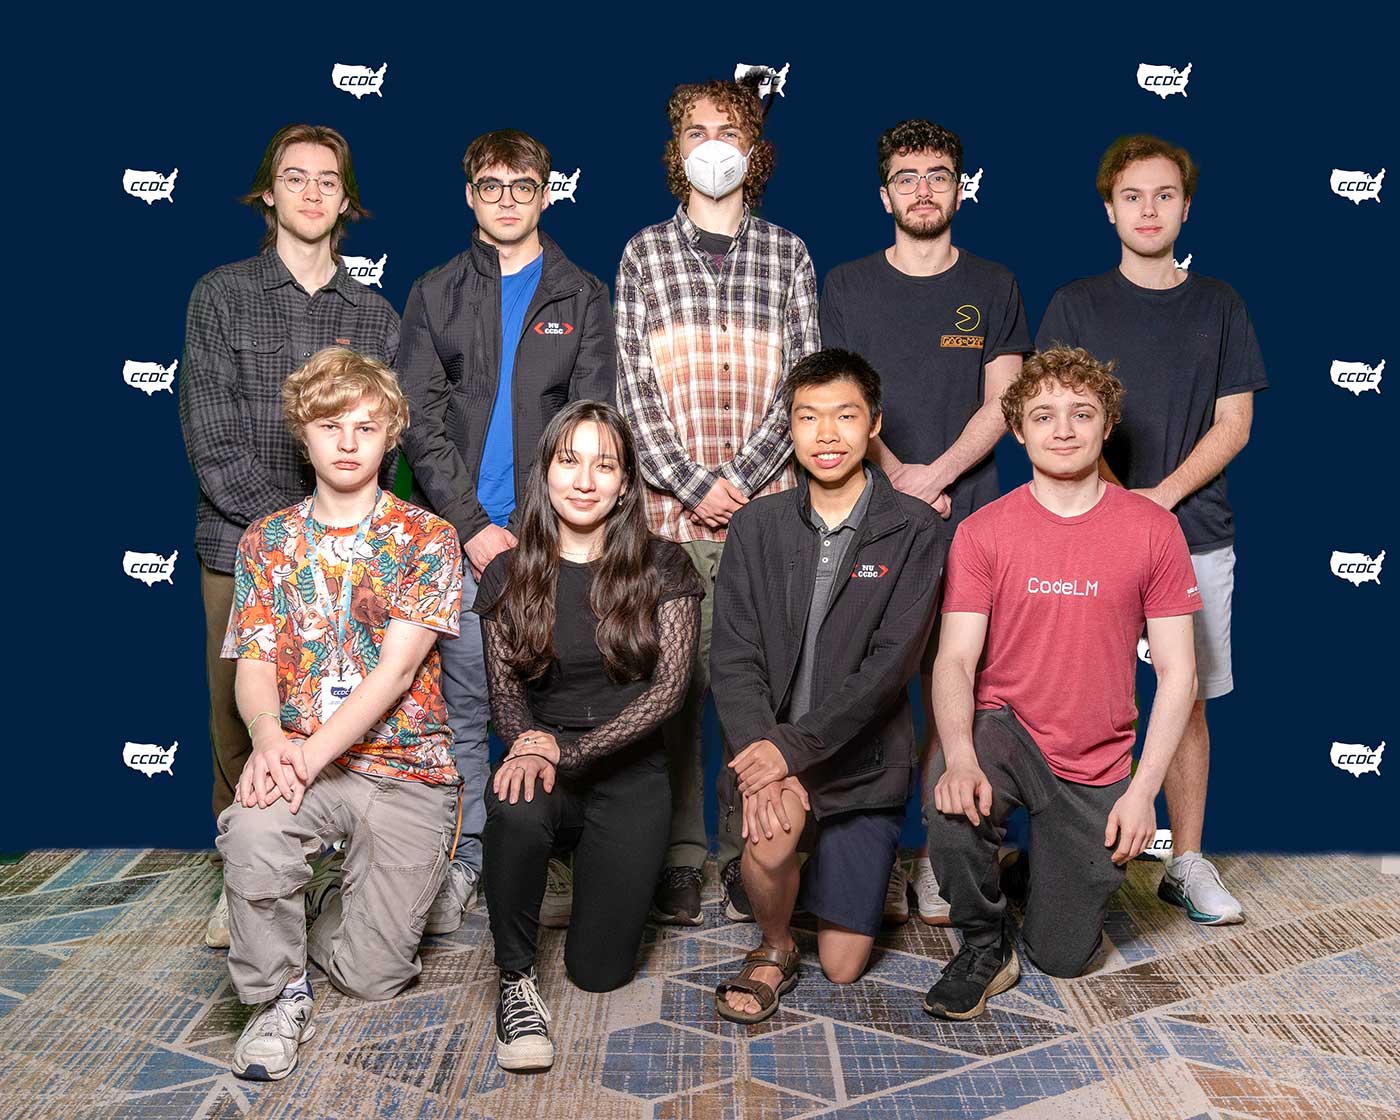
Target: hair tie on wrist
x: 258, y: 717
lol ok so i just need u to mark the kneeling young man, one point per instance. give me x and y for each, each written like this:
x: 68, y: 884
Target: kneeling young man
x: 1048, y: 589
x: 338, y: 602
x: 824, y: 602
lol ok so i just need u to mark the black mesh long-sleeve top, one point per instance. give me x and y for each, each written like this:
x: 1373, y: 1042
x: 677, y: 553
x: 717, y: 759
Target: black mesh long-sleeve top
x: 597, y: 715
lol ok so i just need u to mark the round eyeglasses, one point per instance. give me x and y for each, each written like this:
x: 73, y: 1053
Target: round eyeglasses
x: 906, y: 182
x: 295, y: 181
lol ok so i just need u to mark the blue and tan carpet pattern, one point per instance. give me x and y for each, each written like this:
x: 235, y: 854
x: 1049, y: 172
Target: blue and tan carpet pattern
x: 111, y: 1006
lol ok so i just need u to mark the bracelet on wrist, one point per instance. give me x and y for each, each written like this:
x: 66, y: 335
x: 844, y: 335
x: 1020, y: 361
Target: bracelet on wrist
x: 258, y: 717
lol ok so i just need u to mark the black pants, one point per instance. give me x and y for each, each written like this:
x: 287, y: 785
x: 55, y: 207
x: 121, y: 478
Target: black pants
x: 617, y: 820
x: 1072, y: 874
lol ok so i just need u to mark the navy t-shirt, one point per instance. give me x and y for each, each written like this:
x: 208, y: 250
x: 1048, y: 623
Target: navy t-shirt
x: 928, y: 337
x: 1177, y: 351
x: 495, y: 480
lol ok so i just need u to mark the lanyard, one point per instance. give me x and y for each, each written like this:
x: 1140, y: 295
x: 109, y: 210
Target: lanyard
x: 318, y: 577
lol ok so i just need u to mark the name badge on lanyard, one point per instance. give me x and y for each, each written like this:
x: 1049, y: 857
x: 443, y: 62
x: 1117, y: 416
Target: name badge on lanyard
x: 341, y: 677
x: 335, y: 687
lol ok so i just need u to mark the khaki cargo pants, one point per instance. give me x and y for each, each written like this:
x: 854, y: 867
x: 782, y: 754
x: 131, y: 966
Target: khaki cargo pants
x: 398, y: 835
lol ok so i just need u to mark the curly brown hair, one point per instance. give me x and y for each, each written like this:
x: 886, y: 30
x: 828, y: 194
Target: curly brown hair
x: 1130, y: 149
x: 918, y: 136
x: 1073, y: 368
x: 741, y: 101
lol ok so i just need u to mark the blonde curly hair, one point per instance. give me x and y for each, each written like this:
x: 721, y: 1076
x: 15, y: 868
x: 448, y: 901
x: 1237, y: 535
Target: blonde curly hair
x: 333, y: 381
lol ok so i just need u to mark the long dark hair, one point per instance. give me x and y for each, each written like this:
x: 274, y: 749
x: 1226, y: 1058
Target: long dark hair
x: 326, y: 137
x: 625, y: 584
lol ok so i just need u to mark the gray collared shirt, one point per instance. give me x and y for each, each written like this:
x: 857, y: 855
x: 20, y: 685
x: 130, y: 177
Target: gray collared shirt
x: 831, y: 546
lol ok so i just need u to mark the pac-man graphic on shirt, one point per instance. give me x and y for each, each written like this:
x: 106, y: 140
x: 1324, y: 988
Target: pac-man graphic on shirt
x: 967, y: 319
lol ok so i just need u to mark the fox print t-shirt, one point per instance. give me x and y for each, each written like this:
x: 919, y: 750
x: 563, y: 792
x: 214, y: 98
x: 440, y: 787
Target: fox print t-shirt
x: 407, y: 566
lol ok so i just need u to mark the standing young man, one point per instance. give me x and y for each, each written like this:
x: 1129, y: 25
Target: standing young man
x: 1048, y: 589
x: 496, y: 341
x: 249, y: 325
x: 714, y: 306
x: 1187, y: 355
x: 338, y: 604
x: 826, y: 599
x: 947, y: 331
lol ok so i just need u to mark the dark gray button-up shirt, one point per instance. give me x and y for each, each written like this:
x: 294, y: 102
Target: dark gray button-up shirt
x: 249, y: 326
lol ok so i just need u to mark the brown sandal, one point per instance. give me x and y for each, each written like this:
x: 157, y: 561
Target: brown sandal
x: 785, y: 959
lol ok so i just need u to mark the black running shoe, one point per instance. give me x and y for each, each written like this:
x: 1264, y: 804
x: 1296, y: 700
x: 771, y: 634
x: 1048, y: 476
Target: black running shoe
x: 971, y: 978
x: 736, y: 899
x: 522, y: 1024
x: 677, y: 901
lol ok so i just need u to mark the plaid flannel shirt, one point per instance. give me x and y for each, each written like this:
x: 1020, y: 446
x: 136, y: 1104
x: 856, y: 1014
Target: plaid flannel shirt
x: 249, y: 326
x: 702, y: 355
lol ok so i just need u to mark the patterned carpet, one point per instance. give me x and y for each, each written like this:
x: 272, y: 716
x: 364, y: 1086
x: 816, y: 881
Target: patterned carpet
x: 111, y: 1006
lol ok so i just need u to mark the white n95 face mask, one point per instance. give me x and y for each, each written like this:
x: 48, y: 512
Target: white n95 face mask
x: 716, y: 168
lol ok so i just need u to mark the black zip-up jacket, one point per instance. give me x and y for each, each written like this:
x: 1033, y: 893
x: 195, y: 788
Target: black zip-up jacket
x: 855, y: 748
x: 449, y: 364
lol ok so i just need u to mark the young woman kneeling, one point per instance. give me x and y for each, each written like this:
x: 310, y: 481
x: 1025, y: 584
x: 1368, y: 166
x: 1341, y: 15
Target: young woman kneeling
x: 589, y: 626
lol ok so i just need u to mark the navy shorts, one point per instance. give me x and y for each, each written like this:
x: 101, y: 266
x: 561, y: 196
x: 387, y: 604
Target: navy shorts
x: 848, y: 871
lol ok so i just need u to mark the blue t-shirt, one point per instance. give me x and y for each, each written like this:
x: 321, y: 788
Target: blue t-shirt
x: 495, y: 481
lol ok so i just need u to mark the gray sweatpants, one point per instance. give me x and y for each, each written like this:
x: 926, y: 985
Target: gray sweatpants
x: 366, y: 939
x: 1072, y: 876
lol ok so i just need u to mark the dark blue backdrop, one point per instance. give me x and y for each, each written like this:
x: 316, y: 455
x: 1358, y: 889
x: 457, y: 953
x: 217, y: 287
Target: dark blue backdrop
x: 104, y: 278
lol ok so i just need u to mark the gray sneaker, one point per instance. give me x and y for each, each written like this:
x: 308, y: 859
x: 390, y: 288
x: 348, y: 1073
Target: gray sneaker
x: 216, y: 934
x: 558, y: 904
x: 454, y: 899
x: 1192, y: 882
x: 267, y: 1048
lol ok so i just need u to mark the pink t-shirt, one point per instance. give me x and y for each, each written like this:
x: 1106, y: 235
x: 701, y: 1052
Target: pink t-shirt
x: 1066, y: 599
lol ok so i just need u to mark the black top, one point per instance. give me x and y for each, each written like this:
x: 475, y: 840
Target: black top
x: 594, y: 714
x: 1177, y: 350
x: 929, y: 337
x: 715, y: 244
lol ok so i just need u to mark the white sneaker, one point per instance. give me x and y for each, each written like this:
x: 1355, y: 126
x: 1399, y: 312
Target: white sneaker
x: 216, y: 930
x: 1192, y: 882
x: 522, y: 1024
x: 897, y: 896
x: 933, y: 910
x: 558, y: 902
x: 267, y: 1048
x: 454, y: 899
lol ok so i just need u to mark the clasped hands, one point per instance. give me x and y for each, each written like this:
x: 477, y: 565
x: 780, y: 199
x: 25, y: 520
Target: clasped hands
x: 923, y: 481
x: 762, y: 774
x: 277, y: 768
x: 533, y: 757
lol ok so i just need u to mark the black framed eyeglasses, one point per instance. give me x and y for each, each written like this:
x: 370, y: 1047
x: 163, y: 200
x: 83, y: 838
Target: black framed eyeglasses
x: 522, y: 190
